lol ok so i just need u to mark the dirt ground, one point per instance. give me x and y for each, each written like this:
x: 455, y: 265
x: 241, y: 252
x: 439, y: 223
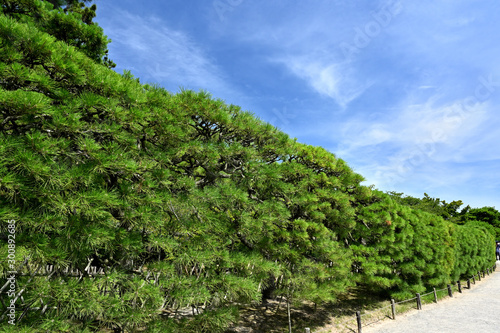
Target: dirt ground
x: 339, y: 317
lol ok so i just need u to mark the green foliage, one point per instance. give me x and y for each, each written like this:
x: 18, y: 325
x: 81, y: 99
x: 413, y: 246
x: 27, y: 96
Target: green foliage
x: 403, y: 250
x: 474, y: 250
x: 71, y: 22
x: 491, y: 229
x: 448, y: 211
x: 488, y: 215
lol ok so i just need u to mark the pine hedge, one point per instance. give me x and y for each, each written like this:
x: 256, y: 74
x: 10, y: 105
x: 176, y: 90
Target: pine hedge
x: 404, y: 251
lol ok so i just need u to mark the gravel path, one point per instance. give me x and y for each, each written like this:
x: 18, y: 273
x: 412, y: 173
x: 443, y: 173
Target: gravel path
x: 476, y: 310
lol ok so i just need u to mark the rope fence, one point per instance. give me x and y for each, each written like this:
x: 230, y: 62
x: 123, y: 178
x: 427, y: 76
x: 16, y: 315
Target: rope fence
x: 406, y: 301
x: 374, y: 316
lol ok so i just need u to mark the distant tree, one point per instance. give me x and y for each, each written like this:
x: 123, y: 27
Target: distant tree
x: 452, y: 209
x: 448, y: 211
x: 489, y: 215
x: 75, y: 6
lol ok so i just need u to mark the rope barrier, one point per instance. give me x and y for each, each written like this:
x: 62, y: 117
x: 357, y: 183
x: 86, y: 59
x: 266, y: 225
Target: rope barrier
x: 432, y: 292
x: 373, y: 311
x: 343, y: 325
x: 405, y: 301
x: 374, y: 321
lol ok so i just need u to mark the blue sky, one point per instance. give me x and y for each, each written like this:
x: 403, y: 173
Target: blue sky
x: 405, y: 92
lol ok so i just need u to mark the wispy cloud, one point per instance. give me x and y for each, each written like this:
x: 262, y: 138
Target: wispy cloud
x: 161, y: 54
x: 335, y: 80
x: 307, y: 40
x: 418, y: 140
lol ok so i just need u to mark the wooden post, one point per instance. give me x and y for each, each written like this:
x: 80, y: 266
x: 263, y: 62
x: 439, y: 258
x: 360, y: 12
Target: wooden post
x: 459, y: 286
x: 479, y: 276
x: 449, y: 291
x: 484, y: 275
x: 419, y: 302
x: 288, y: 310
x: 474, y: 279
x: 468, y: 283
x: 393, y: 308
x: 358, y: 319
x: 435, y: 296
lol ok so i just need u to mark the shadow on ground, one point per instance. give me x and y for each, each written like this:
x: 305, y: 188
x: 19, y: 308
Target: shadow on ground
x: 272, y: 317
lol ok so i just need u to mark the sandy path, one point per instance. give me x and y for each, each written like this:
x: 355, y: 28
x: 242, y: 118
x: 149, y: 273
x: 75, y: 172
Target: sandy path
x: 476, y: 310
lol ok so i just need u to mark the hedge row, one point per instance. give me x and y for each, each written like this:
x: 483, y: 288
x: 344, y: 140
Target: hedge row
x: 405, y: 251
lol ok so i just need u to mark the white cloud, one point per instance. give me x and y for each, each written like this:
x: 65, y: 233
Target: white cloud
x: 164, y: 55
x: 419, y: 143
x: 422, y: 123
x: 460, y: 21
x: 335, y: 80
x: 305, y: 38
